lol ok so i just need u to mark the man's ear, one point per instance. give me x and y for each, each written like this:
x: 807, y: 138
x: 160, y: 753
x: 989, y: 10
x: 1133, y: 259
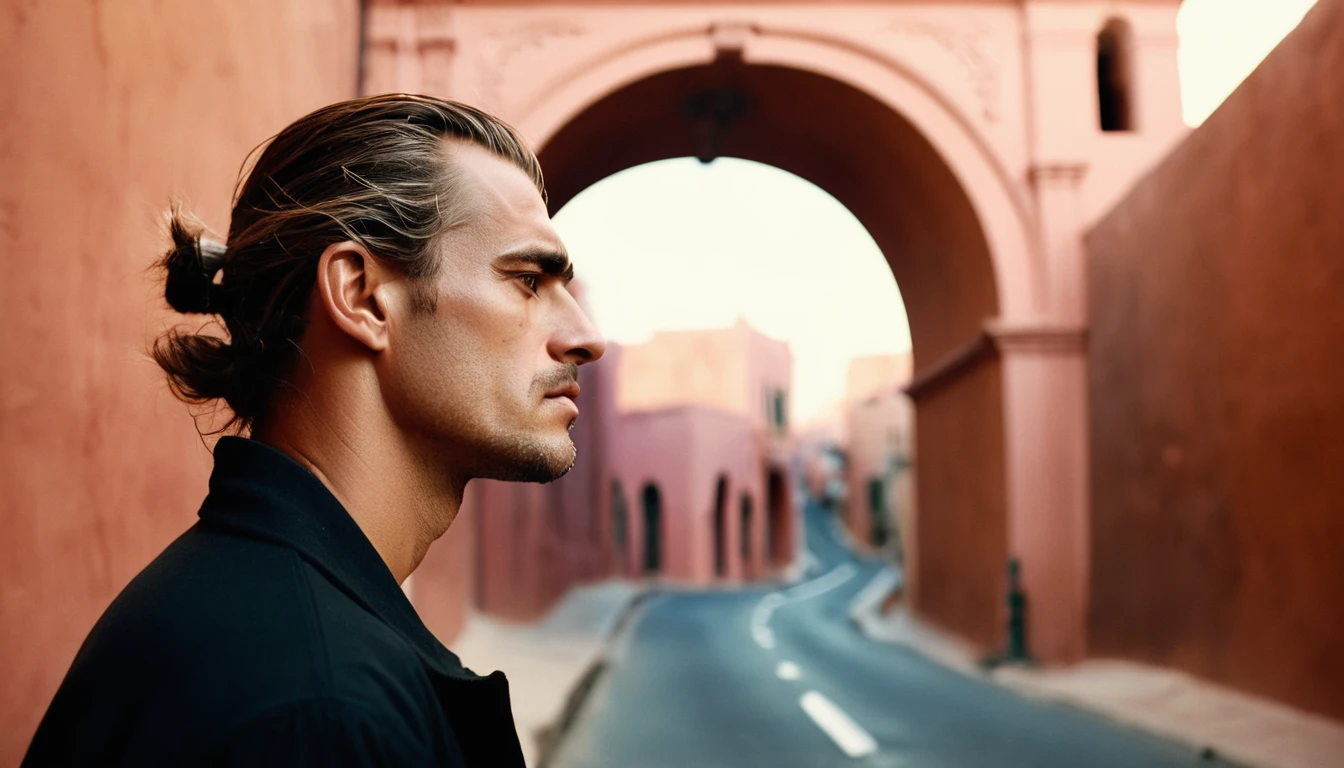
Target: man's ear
x: 349, y: 280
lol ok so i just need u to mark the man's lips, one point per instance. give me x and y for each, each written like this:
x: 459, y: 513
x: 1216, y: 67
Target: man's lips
x: 570, y: 390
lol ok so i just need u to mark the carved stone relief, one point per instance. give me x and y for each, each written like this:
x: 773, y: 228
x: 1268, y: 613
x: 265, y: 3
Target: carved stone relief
x: 501, y: 50
x: 973, y: 50
x: 410, y: 49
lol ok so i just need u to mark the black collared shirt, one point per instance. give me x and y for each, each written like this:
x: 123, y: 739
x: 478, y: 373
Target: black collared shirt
x: 271, y: 634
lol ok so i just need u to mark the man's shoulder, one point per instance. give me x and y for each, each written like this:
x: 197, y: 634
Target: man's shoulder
x: 212, y: 593
x: 224, y: 634
x: 327, y: 730
x: 218, y: 604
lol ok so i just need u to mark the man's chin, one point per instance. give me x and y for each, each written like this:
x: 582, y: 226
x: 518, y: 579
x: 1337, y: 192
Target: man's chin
x: 534, y: 461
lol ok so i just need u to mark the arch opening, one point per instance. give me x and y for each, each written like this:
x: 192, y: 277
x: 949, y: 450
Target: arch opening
x: 1115, y: 77
x: 875, y: 162
x: 619, y: 526
x: 720, y: 541
x: 777, y: 519
x: 744, y: 529
x: 870, y: 158
x: 653, y: 529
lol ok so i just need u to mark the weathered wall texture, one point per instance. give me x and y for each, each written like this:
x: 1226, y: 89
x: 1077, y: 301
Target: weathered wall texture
x: 110, y: 108
x: 957, y: 575
x: 1216, y: 386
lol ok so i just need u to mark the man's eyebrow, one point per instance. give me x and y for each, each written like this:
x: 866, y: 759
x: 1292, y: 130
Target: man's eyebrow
x: 547, y: 261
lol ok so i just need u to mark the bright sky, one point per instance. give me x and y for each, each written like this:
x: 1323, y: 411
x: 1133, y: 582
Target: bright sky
x: 1222, y: 41
x: 676, y: 244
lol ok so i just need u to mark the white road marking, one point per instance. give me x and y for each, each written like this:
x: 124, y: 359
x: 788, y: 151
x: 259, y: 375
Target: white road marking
x: 760, y: 616
x: 810, y: 561
x: 787, y: 670
x: 836, y: 577
x: 760, y: 620
x: 852, y: 739
x: 875, y: 591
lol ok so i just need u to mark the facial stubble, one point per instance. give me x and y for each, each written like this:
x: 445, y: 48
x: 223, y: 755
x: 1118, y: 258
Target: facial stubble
x: 535, y: 459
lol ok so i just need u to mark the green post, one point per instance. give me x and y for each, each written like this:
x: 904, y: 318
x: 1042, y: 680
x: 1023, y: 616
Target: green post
x: 1017, y: 615
x: 1015, y: 651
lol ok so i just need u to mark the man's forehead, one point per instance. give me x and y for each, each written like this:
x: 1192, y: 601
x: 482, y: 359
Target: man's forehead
x: 494, y: 178
x: 498, y: 192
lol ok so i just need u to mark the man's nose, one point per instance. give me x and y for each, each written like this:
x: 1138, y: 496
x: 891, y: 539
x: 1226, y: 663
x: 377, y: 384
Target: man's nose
x: 576, y: 339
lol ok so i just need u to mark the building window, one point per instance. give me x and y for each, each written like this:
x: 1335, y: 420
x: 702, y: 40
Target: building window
x: 653, y: 529
x: 1114, y: 76
x: 746, y: 528
x: 720, y: 549
x: 776, y: 408
x: 618, y: 512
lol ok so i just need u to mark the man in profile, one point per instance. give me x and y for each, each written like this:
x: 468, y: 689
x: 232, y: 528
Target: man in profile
x: 396, y: 322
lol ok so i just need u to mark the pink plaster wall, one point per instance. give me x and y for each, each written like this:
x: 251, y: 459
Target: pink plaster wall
x: 959, y: 537
x: 726, y: 368
x: 1216, y: 381
x: 113, y: 107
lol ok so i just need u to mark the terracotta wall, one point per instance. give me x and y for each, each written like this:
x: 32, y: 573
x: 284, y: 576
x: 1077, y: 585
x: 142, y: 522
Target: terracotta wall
x: 1217, y: 391
x: 958, y: 540
x: 110, y: 109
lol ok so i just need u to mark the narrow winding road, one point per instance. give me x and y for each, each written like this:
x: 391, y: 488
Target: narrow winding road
x: 778, y: 678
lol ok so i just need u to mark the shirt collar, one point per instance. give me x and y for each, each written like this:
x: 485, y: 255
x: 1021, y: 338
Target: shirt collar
x: 259, y: 491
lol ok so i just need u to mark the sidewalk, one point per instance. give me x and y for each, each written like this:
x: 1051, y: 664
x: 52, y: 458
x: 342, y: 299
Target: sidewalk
x: 548, y: 661
x: 1234, y: 725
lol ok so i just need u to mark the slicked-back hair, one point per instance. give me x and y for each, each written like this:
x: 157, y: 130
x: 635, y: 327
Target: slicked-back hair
x: 377, y: 171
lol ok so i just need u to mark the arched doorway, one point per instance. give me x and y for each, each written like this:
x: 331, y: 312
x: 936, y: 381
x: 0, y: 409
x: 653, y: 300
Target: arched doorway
x: 778, y: 523
x: 880, y: 166
x: 620, y: 537
x: 744, y: 531
x: 653, y: 529
x: 720, y: 540
x: 1115, y: 76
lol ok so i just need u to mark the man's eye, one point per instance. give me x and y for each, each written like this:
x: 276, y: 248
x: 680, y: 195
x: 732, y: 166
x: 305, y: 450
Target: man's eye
x: 531, y: 281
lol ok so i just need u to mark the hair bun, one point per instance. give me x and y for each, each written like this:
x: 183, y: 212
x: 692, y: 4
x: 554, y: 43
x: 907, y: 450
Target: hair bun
x: 192, y: 265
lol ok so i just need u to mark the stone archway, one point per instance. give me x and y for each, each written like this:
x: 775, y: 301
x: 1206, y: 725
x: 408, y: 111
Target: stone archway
x: 895, y: 181
x: 979, y: 201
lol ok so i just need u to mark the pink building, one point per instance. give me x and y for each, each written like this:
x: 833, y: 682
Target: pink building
x: 879, y: 450
x: 700, y: 467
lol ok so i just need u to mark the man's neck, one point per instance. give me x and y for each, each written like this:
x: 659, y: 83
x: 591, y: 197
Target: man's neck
x: 398, y: 497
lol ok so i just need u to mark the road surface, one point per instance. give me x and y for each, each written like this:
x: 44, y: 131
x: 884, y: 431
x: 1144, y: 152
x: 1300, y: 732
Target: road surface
x: 774, y: 677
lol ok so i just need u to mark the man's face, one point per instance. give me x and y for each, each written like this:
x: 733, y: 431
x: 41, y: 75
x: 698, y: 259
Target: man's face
x: 489, y: 376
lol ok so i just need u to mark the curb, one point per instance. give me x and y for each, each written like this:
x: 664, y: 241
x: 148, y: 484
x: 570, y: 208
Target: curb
x: 549, y: 737
x: 947, y: 652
